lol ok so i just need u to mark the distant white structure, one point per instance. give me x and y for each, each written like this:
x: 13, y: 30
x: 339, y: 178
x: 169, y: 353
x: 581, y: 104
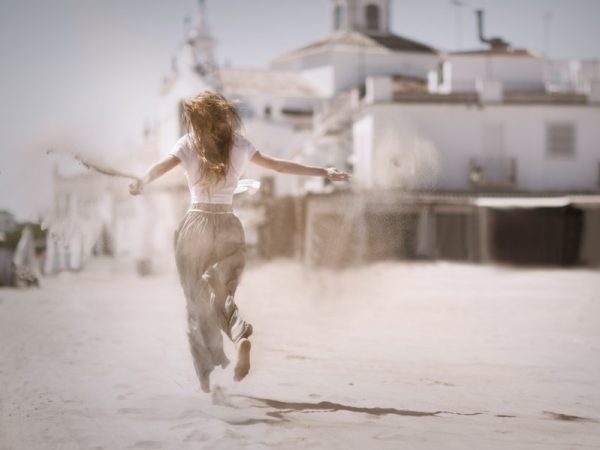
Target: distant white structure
x: 361, y: 45
x: 94, y: 215
x: 491, y: 117
x: 299, y: 106
x: 368, y: 100
x: 399, y: 114
x: 7, y: 221
x: 513, y: 70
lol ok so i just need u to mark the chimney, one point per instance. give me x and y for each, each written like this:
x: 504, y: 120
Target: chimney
x: 495, y: 43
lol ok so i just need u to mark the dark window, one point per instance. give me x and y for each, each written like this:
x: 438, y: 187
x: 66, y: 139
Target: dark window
x: 244, y: 110
x: 268, y: 111
x: 560, y: 139
x: 372, y: 17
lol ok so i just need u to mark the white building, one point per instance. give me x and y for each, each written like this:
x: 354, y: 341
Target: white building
x: 290, y: 108
x: 360, y: 45
x: 94, y: 215
x: 400, y: 115
x: 488, y: 122
x: 485, y: 121
x: 492, y: 139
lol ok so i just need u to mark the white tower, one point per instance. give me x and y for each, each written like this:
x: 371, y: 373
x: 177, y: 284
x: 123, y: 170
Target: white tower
x: 198, y: 37
x: 366, y: 16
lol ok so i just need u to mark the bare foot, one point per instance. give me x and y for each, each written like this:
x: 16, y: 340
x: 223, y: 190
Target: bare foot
x: 243, y: 364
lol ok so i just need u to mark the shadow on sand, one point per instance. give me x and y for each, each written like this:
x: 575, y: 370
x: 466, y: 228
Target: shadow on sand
x: 307, y: 407
x: 281, y: 408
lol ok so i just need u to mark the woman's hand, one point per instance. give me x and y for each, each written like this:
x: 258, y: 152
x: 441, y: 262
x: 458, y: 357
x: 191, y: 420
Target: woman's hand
x: 336, y: 175
x: 137, y: 187
x: 157, y: 170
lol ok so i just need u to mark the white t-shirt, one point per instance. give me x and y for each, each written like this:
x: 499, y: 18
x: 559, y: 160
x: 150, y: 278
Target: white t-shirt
x: 222, y: 192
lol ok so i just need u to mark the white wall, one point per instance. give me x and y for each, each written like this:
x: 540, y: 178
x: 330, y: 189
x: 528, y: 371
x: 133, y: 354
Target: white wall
x: 341, y: 69
x: 572, y: 75
x: 306, y: 61
x: 363, y: 142
x: 254, y: 107
x: 322, y: 77
x: 517, y: 73
x: 351, y: 68
x: 455, y: 133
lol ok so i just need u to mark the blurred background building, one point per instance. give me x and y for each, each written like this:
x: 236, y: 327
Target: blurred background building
x: 482, y: 155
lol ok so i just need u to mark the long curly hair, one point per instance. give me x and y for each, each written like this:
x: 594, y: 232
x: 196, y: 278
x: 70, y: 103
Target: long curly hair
x: 213, y: 122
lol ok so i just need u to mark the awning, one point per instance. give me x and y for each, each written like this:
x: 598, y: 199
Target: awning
x: 580, y: 201
x: 522, y: 202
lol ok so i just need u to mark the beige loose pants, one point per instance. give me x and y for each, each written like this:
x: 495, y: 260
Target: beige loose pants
x: 210, y: 257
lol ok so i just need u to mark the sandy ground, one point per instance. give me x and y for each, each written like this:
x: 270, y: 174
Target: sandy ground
x: 391, y: 356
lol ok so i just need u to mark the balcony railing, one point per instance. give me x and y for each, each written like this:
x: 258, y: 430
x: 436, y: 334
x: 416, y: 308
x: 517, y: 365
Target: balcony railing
x: 493, y: 174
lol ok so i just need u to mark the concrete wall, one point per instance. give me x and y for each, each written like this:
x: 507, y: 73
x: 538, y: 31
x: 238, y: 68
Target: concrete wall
x: 516, y: 73
x: 322, y: 77
x: 455, y: 135
x: 306, y: 61
x: 572, y: 75
x: 352, y: 67
x: 341, y: 69
x: 363, y: 142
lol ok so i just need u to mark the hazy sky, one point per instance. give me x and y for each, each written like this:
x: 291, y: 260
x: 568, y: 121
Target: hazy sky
x: 92, y: 68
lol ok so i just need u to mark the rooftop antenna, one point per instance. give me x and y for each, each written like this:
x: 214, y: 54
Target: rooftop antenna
x: 548, y: 16
x: 496, y: 43
x: 459, y: 5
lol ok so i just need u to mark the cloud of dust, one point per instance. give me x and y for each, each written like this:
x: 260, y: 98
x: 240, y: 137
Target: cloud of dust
x: 26, y: 168
x: 404, y: 158
x: 365, y: 227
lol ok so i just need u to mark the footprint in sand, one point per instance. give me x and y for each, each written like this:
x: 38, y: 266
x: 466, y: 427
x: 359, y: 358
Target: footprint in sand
x: 300, y: 357
x: 131, y: 411
x: 389, y: 437
x: 219, y: 397
x: 148, y: 444
x: 197, y: 436
x: 183, y: 426
x: 191, y: 414
x: 440, y: 383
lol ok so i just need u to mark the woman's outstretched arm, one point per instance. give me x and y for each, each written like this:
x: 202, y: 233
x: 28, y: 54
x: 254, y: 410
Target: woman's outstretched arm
x: 157, y: 170
x: 291, y: 167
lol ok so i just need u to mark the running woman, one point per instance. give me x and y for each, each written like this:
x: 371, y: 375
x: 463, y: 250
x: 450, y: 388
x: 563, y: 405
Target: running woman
x: 209, y: 241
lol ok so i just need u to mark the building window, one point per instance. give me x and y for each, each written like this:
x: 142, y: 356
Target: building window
x: 338, y: 17
x: 268, y: 111
x: 560, y: 139
x: 372, y: 12
x: 244, y: 110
